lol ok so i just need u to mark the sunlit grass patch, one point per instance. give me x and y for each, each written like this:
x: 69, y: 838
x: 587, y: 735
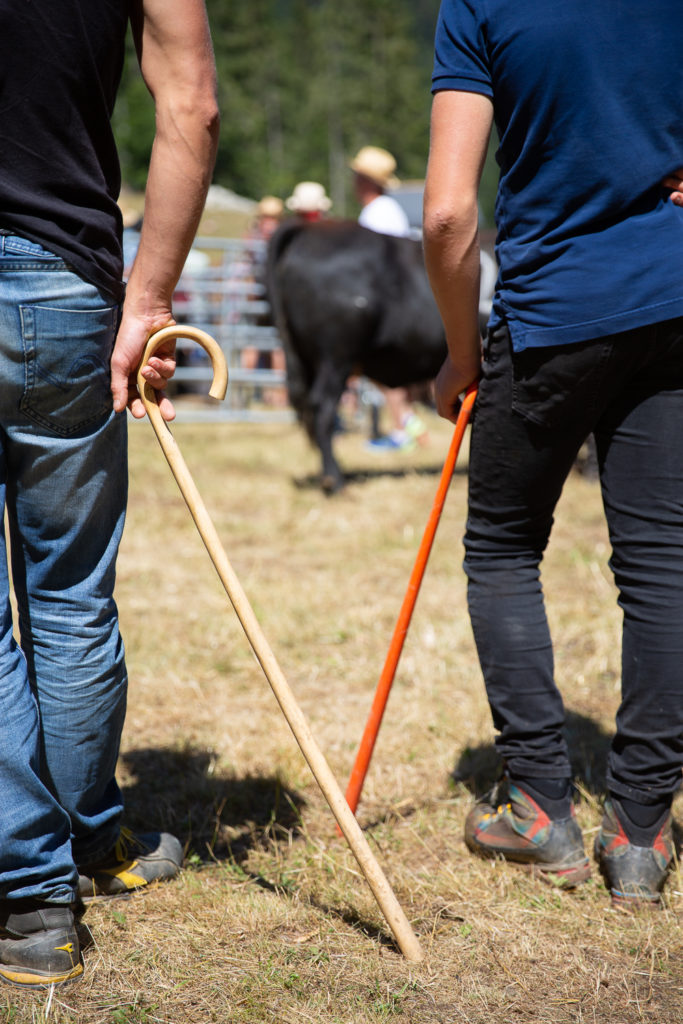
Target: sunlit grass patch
x: 271, y: 921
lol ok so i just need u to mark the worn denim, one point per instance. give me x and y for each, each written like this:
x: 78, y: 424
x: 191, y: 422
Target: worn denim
x: 533, y: 412
x: 63, y: 482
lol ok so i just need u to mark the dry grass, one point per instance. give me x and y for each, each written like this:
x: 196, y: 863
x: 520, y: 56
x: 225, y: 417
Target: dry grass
x: 270, y: 920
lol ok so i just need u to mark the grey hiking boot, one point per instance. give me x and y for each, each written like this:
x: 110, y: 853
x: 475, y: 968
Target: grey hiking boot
x: 38, y: 943
x: 508, y: 823
x: 634, y: 875
x: 134, y: 862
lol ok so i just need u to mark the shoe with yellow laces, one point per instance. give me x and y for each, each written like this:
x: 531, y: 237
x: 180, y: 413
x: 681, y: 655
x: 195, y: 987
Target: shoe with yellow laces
x: 509, y: 823
x: 135, y: 861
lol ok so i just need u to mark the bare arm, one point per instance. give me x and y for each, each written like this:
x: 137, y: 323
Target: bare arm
x: 176, y: 59
x: 460, y: 129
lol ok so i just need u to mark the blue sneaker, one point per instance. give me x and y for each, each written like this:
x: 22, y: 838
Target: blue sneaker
x: 397, y: 441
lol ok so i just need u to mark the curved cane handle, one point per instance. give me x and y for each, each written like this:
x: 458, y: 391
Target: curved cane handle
x: 219, y: 384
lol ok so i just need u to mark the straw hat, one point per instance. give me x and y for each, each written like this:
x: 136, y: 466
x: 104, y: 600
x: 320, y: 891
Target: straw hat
x: 308, y: 197
x: 270, y: 206
x: 376, y: 164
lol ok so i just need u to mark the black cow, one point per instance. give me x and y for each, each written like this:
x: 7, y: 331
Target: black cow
x: 349, y: 301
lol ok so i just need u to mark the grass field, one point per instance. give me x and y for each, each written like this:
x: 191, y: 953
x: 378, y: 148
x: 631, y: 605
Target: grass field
x: 271, y: 921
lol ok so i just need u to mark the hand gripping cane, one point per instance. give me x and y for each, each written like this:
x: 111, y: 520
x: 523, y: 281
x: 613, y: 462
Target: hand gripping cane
x: 389, y: 905
x: 386, y: 679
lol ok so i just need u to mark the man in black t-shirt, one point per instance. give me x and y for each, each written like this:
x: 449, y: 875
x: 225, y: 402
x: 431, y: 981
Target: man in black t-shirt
x: 70, y: 344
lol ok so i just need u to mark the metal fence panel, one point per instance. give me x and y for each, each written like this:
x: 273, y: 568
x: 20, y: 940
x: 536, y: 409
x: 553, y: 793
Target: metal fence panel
x: 222, y: 291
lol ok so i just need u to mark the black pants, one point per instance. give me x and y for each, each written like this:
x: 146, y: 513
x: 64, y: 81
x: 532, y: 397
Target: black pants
x: 533, y: 412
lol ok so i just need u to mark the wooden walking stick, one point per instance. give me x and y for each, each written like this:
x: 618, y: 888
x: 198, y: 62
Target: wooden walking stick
x: 367, y: 743
x: 389, y: 905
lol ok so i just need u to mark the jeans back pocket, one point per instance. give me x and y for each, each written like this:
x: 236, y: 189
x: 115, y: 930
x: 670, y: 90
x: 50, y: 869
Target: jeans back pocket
x: 66, y: 360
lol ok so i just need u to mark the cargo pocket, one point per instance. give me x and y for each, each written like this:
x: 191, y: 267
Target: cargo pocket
x: 66, y: 362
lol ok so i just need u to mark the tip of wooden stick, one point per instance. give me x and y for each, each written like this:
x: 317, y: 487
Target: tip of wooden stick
x: 413, y: 951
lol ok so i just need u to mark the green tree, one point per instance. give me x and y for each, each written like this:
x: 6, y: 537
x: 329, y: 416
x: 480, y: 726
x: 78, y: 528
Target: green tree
x: 369, y: 85
x: 303, y: 84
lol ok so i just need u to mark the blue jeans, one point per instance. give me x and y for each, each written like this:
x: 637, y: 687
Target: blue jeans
x: 533, y: 412
x: 63, y: 482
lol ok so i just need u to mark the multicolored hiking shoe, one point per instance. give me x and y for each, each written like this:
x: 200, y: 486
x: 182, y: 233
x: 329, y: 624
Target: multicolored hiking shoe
x: 508, y: 823
x: 634, y: 875
x: 135, y: 861
x: 38, y: 944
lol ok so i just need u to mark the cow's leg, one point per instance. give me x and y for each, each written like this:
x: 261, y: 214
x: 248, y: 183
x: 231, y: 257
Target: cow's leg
x: 326, y: 392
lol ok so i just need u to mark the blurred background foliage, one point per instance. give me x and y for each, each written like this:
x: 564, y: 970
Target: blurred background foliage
x: 303, y: 84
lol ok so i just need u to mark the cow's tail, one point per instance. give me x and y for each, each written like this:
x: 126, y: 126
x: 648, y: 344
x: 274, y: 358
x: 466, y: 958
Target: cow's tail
x: 298, y: 383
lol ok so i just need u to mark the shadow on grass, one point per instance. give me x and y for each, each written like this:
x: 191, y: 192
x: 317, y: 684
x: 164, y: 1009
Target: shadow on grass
x: 381, y: 934
x: 216, y: 816
x: 478, y: 768
x: 362, y: 476
x: 220, y: 817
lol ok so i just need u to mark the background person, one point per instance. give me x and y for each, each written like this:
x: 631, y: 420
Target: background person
x: 374, y: 169
x: 268, y: 218
x: 309, y: 201
x: 373, y: 173
x: 586, y: 334
x: 68, y: 355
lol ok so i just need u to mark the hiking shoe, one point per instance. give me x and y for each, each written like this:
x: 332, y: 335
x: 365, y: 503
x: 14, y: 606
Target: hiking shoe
x: 38, y: 943
x: 634, y: 875
x: 134, y: 862
x: 508, y: 823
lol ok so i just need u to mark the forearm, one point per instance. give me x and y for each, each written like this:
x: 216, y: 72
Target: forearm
x: 180, y: 170
x: 461, y: 123
x: 451, y: 247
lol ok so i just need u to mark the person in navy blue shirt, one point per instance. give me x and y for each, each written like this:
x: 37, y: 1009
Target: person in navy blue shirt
x: 585, y: 336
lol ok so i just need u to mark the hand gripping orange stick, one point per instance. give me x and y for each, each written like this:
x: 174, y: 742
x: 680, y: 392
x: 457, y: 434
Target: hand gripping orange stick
x: 388, y: 904
x: 386, y: 679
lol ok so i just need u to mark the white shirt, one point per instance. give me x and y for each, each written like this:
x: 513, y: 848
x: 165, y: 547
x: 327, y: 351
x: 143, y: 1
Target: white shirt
x: 385, y: 215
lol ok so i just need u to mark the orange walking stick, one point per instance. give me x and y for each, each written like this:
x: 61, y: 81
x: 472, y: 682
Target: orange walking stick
x: 367, y: 743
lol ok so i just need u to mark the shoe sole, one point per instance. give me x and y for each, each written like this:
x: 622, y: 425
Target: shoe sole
x: 102, y: 897
x: 635, y: 904
x: 559, y: 876
x: 20, y: 977
x: 96, y: 895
